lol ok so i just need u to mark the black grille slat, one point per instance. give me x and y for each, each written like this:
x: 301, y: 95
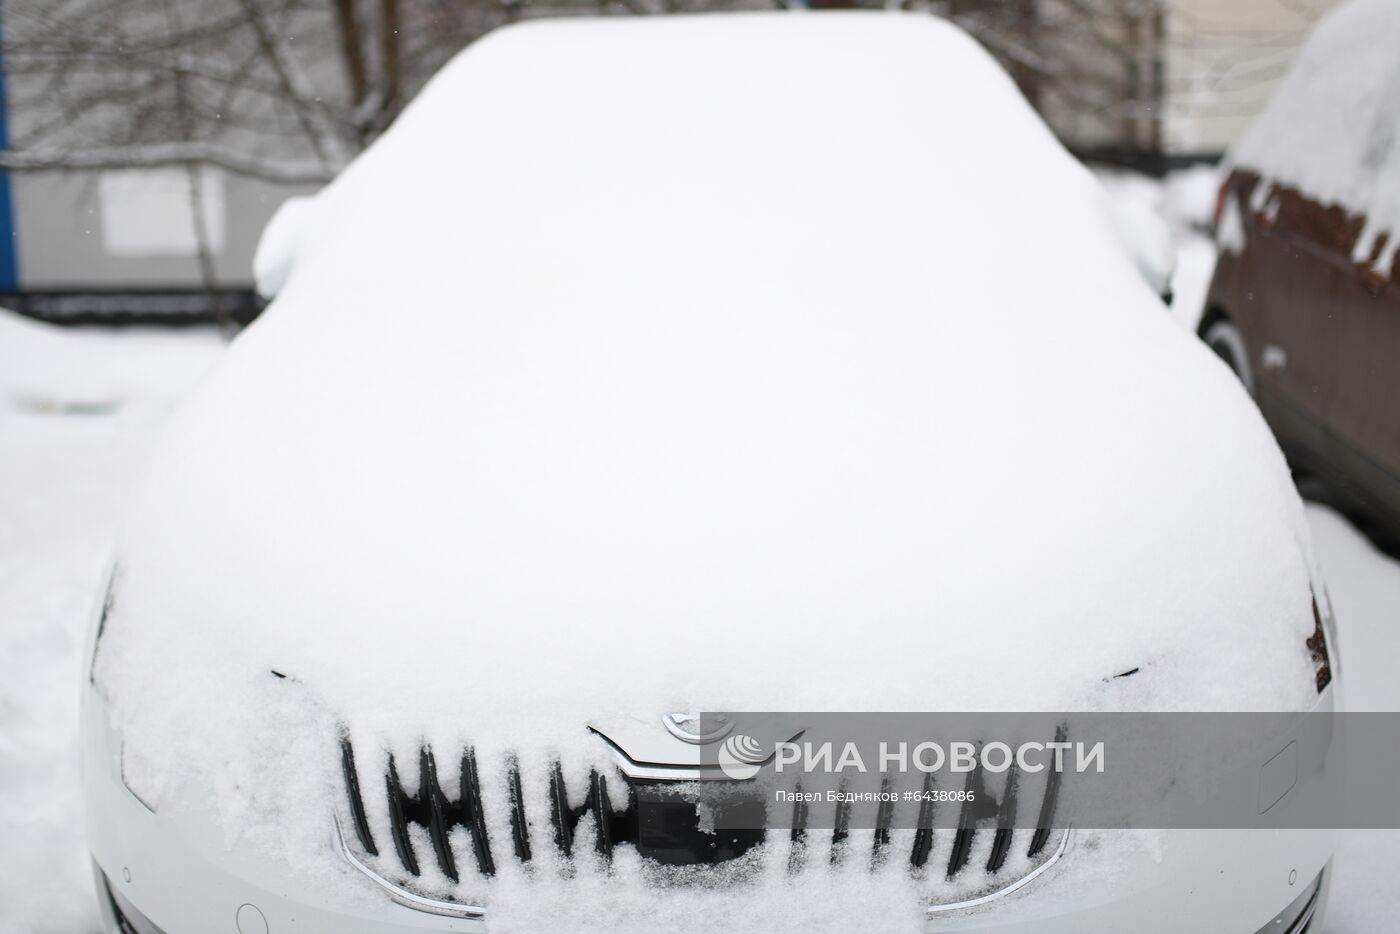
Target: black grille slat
x: 840, y: 829
x: 797, y: 854
x: 884, y: 818
x: 432, y: 810
x: 566, y: 819
x: 602, y: 814
x: 1006, y: 822
x: 519, y: 829
x: 1047, y: 805
x: 559, y: 812
x: 799, y: 817
x: 654, y: 817
x: 399, y: 804
x: 474, y: 816
x: 923, y: 834
x: 440, y: 821
x: 962, y: 847
x: 977, y: 806
x: 357, y: 803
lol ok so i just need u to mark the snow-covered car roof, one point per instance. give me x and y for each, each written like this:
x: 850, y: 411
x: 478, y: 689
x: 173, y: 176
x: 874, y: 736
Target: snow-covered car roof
x: 751, y: 362
x: 1332, y: 129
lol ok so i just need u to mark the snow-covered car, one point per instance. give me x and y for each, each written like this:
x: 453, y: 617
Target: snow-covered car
x: 751, y: 363
x: 1305, y: 302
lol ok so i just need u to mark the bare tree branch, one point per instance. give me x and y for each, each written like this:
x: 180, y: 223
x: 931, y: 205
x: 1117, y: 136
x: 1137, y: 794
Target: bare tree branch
x: 157, y: 155
x: 321, y: 136
x: 352, y: 52
x: 389, y: 66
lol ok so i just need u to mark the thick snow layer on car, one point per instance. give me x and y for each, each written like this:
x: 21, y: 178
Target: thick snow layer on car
x: 1333, y: 127
x: 278, y: 245
x: 63, y: 479
x: 1181, y: 207
x: 1148, y: 241
x: 704, y: 363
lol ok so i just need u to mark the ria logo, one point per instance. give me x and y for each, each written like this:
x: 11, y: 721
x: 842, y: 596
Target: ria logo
x: 739, y: 758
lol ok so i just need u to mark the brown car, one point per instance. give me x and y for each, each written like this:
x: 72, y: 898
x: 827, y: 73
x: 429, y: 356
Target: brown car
x: 1305, y: 303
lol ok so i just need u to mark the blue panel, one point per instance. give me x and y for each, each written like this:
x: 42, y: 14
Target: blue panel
x: 9, y: 266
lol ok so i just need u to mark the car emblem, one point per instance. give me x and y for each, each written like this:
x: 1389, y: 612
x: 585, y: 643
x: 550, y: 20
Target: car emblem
x: 697, y: 728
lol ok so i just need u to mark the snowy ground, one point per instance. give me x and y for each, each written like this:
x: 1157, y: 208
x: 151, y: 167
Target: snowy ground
x: 78, y: 412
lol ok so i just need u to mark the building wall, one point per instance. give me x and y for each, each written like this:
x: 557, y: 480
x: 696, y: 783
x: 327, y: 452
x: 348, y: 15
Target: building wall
x: 1223, y: 59
x: 1175, y: 77
x: 134, y: 229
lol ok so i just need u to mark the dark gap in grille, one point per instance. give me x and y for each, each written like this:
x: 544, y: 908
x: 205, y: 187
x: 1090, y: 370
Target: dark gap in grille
x: 559, y: 812
x: 475, y: 816
x: 840, y: 828
x: 519, y: 829
x: 663, y: 819
x: 797, y: 854
x: 431, y: 809
x: 884, y: 817
x: 357, y: 804
x: 923, y: 834
x: 602, y: 814
x: 610, y: 829
x: 967, y: 822
x: 664, y: 822
x: 799, y: 817
x: 401, y: 812
x: 433, y: 801
x: 979, y: 807
x: 1047, y: 804
x: 1006, y: 821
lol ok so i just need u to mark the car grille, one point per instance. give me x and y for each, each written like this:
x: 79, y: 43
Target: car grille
x: 662, y: 821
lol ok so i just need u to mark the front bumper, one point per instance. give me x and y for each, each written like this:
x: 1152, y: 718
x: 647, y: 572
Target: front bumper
x: 175, y: 870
